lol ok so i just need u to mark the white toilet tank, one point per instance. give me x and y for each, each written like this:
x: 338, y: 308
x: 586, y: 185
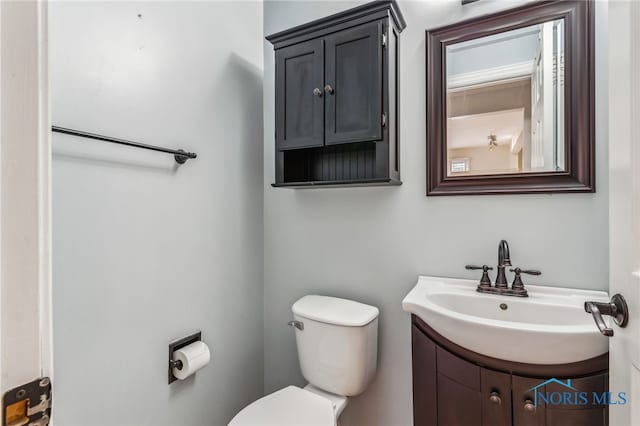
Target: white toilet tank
x: 338, y: 345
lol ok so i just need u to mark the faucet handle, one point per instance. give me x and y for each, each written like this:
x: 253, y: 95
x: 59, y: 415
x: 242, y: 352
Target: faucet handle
x: 485, y: 281
x: 483, y: 267
x: 519, y: 271
x: 517, y: 284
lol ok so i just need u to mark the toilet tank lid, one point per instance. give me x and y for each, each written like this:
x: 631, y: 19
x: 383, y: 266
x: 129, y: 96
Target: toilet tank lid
x: 333, y: 310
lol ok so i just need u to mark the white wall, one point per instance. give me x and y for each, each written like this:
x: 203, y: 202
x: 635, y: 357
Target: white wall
x: 499, y: 50
x: 370, y: 244
x: 145, y: 252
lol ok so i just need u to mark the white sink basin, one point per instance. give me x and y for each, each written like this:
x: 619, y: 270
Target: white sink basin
x: 548, y: 327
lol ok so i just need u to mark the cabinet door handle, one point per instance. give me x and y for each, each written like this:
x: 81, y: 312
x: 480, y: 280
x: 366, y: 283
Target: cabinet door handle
x: 528, y: 406
x: 317, y: 92
x: 495, y: 398
x: 328, y: 89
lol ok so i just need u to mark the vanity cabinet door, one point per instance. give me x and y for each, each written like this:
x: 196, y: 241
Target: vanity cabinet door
x: 524, y: 413
x: 300, y: 112
x: 458, y: 405
x: 459, y: 390
x: 578, y: 414
x: 353, y: 79
x: 496, y: 398
x: 425, y: 392
x: 584, y: 414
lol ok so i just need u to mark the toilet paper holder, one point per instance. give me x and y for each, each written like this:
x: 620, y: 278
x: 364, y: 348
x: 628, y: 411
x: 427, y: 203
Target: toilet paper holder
x: 175, y: 364
x: 176, y: 345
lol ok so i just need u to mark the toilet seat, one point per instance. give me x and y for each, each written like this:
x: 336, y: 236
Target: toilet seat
x: 290, y: 406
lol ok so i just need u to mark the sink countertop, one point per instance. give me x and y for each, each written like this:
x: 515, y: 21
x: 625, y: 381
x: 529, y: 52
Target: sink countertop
x: 548, y: 327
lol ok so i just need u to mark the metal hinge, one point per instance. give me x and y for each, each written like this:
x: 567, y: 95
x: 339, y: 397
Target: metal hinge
x: 28, y: 405
x: 384, y: 40
x: 384, y: 119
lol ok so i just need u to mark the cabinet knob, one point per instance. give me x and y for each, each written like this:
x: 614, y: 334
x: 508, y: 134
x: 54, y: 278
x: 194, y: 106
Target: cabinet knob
x: 328, y: 89
x: 528, y: 406
x: 495, y: 398
x: 317, y: 92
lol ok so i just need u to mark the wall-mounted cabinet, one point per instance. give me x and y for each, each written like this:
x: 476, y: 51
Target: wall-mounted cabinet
x: 336, y: 109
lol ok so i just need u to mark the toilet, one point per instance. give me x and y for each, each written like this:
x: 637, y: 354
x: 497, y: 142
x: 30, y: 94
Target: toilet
x: 337, y: 341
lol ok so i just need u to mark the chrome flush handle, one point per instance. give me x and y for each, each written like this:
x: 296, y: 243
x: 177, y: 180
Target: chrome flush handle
x: 617, y: 309
x: 297, y: 324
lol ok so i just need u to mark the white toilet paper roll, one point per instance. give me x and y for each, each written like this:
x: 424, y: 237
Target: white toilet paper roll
x: 193, y: 357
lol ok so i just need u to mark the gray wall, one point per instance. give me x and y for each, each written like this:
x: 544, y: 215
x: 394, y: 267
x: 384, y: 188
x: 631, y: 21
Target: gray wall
x: 145, y: 252
x: 370, y: 244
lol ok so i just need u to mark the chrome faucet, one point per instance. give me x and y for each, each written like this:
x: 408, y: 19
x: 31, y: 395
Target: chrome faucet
x: 503, y: 260
x: 501, y: 287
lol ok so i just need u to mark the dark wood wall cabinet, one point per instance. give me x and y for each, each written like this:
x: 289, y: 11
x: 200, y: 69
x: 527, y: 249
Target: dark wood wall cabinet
x: 336, y: 99
x: 456, y: 387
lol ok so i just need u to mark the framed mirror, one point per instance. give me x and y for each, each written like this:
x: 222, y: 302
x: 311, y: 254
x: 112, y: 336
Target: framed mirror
x: 510, y: 102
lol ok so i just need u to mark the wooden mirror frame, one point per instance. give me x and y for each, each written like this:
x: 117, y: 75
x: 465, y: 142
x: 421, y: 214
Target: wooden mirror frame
x: 579, y: 113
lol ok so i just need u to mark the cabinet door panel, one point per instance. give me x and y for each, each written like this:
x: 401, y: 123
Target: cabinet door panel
x: 496, y: 398
x: 354, y: 71
x: 458, y: 369
x: 587, y: 414
x: 424, y: 379
x: 523, y: 414
x: 458, y: 405
x: 588, y: 385
x: 299, y: 113
x: 584, y: 417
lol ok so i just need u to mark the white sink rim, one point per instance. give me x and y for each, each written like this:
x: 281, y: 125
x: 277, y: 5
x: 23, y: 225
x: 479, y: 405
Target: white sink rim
x: 573, y: 343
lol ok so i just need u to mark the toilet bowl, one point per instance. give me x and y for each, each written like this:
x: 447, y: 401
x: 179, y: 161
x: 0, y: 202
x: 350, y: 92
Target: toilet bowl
x: 337, y: 341
x: 292, y: 406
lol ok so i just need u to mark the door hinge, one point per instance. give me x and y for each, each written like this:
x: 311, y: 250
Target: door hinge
x: 384, y: 40
x: 384, y: 119
x: 29, y: 404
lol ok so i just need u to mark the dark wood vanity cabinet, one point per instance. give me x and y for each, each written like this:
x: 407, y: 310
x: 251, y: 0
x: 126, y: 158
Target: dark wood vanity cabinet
x: 336, y: 99
x: 455, y: 387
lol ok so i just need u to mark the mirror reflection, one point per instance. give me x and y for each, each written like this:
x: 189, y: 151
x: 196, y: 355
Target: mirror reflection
x: 505, y: 102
